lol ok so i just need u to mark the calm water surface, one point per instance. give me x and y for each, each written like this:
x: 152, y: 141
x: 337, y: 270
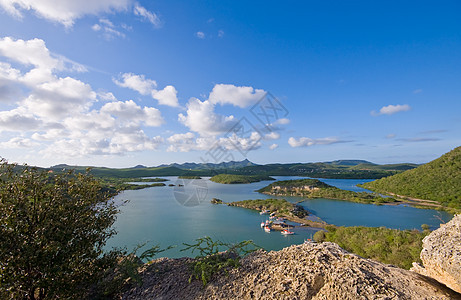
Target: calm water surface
x: 159, y: 215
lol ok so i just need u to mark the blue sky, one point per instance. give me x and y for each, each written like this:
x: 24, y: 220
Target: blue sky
x: 119, y: 83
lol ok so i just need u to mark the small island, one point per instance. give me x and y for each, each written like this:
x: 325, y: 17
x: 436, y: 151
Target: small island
x: 133, y: 186
x: 234, y: 179
x: 313, y: 188
x: 216, y: 201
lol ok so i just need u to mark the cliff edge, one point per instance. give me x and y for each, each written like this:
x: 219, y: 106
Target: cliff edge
x: 441, y: 255
x: 307, y: 271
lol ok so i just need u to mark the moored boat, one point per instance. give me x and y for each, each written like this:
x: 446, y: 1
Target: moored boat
x: 287, y: 232
x: 267, y: 229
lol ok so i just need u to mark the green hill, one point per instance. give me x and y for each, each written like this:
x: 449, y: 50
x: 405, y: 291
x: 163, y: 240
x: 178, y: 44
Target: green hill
x: 438, y: 180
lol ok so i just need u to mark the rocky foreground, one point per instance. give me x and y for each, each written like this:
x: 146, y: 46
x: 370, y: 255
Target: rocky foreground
x: 308, y: 271
x: 441, y: 255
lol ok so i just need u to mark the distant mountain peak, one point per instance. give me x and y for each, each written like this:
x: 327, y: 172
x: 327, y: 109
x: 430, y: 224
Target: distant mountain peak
x: 139, y: 167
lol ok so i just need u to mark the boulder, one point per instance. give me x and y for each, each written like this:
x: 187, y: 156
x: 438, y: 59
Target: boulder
x: 441, y: 255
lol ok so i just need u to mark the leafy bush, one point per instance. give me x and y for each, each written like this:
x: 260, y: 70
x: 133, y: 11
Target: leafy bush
x: 53, y: 230
x: 390, y: 246
x: 213, y: 259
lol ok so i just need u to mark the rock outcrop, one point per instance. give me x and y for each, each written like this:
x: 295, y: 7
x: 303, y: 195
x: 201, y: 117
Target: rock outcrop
x: 307, y: 271
x: 441, y: 255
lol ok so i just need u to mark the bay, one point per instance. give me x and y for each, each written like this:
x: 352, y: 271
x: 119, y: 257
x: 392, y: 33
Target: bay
x: 172, y: 215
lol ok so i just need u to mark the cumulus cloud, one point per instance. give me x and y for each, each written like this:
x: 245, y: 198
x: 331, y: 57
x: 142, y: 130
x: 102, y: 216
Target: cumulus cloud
x: 58, y: 115
x: 144, y: 86
x: 130, y: 112
x: 307, y: 142
x: 200, y: 35
x: 272, y: 136
x: 182, y: 142
x: 391, y: 109
x: 137, y: 83
x: 62, y: 97
x: 273, y: 146
x: 18, y: 120
x: 241, y: 96
x: 29, y: 53
x: 242, y: 144
x: 167, y: 96
x: 18, y: 142
x: 201, y: 118
x: 146, y: 15
x: 66, y: 11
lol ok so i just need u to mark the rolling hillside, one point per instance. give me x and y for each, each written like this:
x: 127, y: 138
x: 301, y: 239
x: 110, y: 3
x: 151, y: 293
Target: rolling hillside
x: 438, y: 180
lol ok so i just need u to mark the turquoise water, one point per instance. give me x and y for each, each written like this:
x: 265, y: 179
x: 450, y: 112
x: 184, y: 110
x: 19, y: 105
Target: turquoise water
x: 170, y: 216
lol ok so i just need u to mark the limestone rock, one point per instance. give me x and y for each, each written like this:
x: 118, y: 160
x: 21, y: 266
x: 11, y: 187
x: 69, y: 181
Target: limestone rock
x: 307, y: 271
x: 441, y: 255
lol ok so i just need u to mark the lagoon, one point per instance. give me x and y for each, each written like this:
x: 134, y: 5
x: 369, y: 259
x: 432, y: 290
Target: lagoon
x: 174, y: 215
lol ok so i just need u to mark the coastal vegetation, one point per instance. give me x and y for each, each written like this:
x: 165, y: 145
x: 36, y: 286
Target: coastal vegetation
x: 390, y: 246
x: 438, y: 180
x: 54, y: 228
x: 216, y: 256
x: 234, y: 179
x: 313, y: 188
x: 122, y: 184
x: 189, y: 177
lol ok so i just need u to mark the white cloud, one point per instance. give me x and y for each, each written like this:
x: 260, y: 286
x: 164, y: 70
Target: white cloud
x: 107, y: 96
x: 59, y: 98
x: 108, y: 29
x: 238, y: 143
x: 182, y: 142
x: 132, y: 113
x: 147, y: 15
x: 30, y: 53
x: 273, y: 146
x: 220, y: 33
x: 201, y: 118
x: 241, y: 96
x: 282, y: 121
x: 391, y: 109
x: 167, y: 96
x: 65, y: 11
x: 200, y: 35
x: 18, y: 120
x: 417, y: 91
x: 272, y: 136
x: 307, y: 142
x: 96, y: 27
x: 57, y: 114
x: 137, y: 83
x: 18, y: 142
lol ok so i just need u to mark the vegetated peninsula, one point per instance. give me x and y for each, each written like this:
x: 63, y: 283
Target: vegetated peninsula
x: 313, y: 188
x: 232, y: 179
x: 438, y: 181
x: 279, y: 206
x: 118, y: 184
x: 189, y: 177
